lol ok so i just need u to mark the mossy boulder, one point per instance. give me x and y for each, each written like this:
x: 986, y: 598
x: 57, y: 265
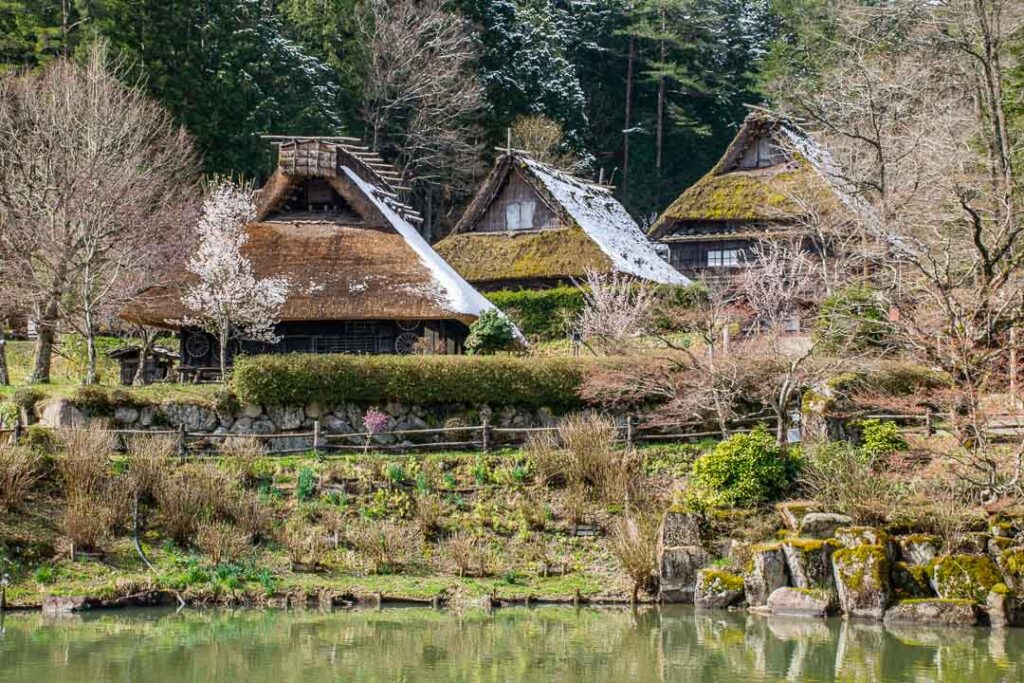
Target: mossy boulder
x: 862, y: 580
x: 678, y: 569
x: 801, y: 602
x: 918, y: 549
x: 717, y: 589
x: 936, y: 612
x: 822, y: 524
x: 964, y: 577
x: 793, y: 512
x: 854, y: 536
x: 910, y: 581
x: 681, y: 528
x: 1011, y: 566
x: 765, y: 573
x: 809, y: 561
x: 1003, y: 607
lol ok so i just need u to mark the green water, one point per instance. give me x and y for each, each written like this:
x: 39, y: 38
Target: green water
x: 544, y: 644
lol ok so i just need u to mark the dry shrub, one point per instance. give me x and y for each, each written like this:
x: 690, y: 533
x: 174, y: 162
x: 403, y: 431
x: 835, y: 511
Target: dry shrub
x: 20, y: 470
x: 221, y: 542
x: 944, y: 509
x: 532, y: 511
x: 86, y: 523
x: 183, y: 500
x: 251, y: 516
x: 465, y: 554
x: 851, y: 482
x: 242, y: 458
x: 589, y: 459
x: 634, y: 542
x: 386, y: 546
x: 429, y: 514
x: 306, y: 544
x: 84, y: 461
x: 150, y: 461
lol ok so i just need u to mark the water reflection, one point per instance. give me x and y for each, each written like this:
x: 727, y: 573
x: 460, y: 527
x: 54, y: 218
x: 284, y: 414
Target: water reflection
x: 544, y: 644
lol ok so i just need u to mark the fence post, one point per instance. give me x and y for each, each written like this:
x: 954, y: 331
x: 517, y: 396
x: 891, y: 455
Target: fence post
x: 316, y: 437
x: 182, y: 443
x: 929, y: 430
x: 630, y: 435
x: 16, y: 436
x: 485, y: 434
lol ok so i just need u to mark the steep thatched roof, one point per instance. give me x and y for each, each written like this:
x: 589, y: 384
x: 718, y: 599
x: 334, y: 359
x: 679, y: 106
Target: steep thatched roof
x: 365, y: 263
x: 774, y: 194
x: 596, y: 231
x: 491, y: 257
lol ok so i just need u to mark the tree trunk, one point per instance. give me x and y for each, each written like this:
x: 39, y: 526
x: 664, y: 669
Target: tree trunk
x: 145, y: 349
x: 90, y: 349
x: 5, y: 377
x: 660, y: 130
x: 629, y: 117
x: 46, y: 331
x: 223, y: 354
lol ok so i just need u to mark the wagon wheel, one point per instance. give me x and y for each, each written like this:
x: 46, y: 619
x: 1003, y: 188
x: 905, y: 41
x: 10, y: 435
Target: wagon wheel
x: 197, y: 346
x: 406, y: 343
x: 407, y: 325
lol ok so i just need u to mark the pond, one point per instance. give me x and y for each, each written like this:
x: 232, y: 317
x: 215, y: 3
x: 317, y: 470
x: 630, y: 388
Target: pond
x: 520, y: 644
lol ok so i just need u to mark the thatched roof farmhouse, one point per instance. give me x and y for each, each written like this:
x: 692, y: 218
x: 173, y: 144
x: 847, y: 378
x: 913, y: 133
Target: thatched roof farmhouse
x: 771, y: 183
x: 532, y: 225
x: 330, y: 220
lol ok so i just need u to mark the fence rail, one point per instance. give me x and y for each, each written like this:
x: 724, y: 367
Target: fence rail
x: 485, y: 436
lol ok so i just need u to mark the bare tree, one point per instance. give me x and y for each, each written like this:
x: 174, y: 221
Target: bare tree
x: 227, y: 299
x: 92, y: 179
x: 543, y: 138
x: 617, y: 310
x: 420, y: 93
x: 913, y: 108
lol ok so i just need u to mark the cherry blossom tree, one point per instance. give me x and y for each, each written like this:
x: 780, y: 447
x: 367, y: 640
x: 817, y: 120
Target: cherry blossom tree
x: 617, y: 310
x: 228, y: 300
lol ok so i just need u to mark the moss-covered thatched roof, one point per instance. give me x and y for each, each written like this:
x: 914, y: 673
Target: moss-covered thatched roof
x: 775, y: 194
x: 558, y: 254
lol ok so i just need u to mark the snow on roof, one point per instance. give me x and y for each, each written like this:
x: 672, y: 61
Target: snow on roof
x: 450, y: 290
x: 606, y: 221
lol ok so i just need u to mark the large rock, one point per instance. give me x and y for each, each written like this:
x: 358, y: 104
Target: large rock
x: 286, y: 417
x: 58, y: 413
x: 1004, y: 608
x: 801, y: 602
x: 809, y: 562
x: 862, y: 580
x: 194, y: 418
x: 934, y: 612
x: 681, y: 529
x: 331, y: 424
x: 1011, y: 565
x: 965, y: 577
x: 918, y: 549
x: 767, y: 572
x: 822, y: 524
x: 126, y: 415
x: 678, y: 569
x: 717, y: 589
x: 911, y: 581
x: 252, y: 411
x: 856, y: 536
x: 793, y: 512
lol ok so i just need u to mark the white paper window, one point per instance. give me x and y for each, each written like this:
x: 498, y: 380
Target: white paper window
x: 724, y: 258
x: 519, y: 215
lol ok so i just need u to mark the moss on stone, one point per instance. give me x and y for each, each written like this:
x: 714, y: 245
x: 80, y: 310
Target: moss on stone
x: 860, y: 565
x: 765, y: 547
x: 1001, y: 589
x: 968, y: 577
x: 720, y: 580
x: 940, y: 601
x: 1012, y: 560
x: 811, y: 545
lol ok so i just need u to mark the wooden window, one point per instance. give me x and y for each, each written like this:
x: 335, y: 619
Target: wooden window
x: 519, y: 215
x: 723, y: 258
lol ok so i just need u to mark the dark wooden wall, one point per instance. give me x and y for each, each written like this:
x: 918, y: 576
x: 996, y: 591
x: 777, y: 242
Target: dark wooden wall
x: 516, y: 191
x: 353, y: 336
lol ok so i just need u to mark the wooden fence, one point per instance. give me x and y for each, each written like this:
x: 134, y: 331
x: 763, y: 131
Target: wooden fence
x: 486, y: 436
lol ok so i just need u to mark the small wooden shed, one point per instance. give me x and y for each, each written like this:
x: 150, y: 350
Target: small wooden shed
x: 159, y: 363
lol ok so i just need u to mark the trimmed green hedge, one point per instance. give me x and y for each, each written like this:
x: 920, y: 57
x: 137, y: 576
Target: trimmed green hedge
x: 540, y: 314
x: 297, y: 379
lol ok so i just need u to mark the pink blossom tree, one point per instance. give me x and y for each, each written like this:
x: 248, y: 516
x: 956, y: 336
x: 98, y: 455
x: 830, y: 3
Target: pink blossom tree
x: 227, y: 299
